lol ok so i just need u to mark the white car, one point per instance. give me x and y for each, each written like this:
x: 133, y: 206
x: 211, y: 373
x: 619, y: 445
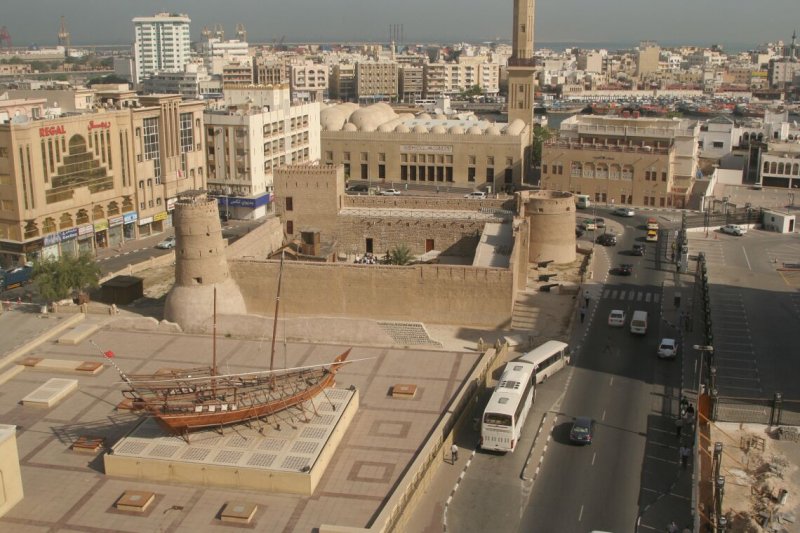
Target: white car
x: 733, y: 229
x: 390, y: 192
x: 616, y: 318
x: 589, y: 224
x: 480, y: 195
x: 668, y: 349
x: 166, y: 244
x: 624, y: 212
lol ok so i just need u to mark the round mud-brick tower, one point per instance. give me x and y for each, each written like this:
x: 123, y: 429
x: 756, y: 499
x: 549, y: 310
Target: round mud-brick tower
x: 551, y: 218
x: 200, y: 266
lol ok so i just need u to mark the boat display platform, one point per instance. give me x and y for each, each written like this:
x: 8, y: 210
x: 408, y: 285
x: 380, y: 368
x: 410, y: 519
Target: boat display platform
x: 288, y: 453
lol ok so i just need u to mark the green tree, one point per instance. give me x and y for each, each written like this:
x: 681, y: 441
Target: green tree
x: 540, y: 136
x: 109, y: 78
x: 400, y: 255
x: 57, y: 279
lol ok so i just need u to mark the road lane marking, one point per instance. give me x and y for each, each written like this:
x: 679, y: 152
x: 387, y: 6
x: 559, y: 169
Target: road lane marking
x: 580, y: 514
x: 603, y: 418
x: 594, y: 456
x: 746, y: 258
x: 611, y: 383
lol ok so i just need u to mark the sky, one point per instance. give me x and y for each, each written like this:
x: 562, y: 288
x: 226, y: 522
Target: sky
x: 742, y: 23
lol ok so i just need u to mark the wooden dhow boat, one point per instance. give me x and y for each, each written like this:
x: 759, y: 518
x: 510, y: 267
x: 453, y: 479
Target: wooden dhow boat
x: 184, y: 400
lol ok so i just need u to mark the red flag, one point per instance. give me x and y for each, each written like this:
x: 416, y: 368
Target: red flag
x: 109, y: 354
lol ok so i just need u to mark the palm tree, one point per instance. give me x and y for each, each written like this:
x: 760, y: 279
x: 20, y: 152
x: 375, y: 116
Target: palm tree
x: 400, y: 255
x: 56, y: 279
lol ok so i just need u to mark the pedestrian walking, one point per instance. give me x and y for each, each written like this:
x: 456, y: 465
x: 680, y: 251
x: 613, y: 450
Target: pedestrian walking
x: 586, y: 297
x: 583, y: 314
x: 684, y: 451
x: 678, y: 427
x: 690, y: 411
x: 672, y: 527
x: 454, y: 453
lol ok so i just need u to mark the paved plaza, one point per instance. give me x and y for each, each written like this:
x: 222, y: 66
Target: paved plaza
x: 67, y: 490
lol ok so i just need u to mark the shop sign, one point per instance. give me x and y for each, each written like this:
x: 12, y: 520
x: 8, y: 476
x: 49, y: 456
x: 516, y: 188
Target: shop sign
x: 130, y: 217
x: 88, y: 229
x: 160, y: 216
x: 67, y: 234
x: 146, y: 220
x: 99, y: 125
x: 48, y: 131
x: 113, y: 221
x: 171, y: 203
x: 32, y: 246
x: 14, y: 247
x: 51, y: 239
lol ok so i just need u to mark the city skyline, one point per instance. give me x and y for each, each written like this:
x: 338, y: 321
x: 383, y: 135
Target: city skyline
x: 577, y: 21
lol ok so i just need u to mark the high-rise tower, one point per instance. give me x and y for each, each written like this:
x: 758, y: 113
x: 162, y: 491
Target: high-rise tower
x: 521, y: 68
x: 161, y: 45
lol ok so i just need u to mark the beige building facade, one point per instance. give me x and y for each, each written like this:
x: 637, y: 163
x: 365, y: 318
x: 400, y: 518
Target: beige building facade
x: 643, y: 161
x: 376, y: 81
x: 375, y: 143
x: 75, y: 183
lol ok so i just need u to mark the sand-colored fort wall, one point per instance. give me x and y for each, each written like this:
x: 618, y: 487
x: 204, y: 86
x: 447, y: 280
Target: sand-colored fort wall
x: 259, y: 243
x: 438, y: 294
x: 428, y: 202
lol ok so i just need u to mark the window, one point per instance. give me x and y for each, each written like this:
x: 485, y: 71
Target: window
x: 471, y: 160
x: 328, y: 156
x: 347, y: 156
x: 382, y: 172
x: 471, y: 174
x: 490, y: 175
x: 490, y: 161
x: 187, y: 133
x: 718, y: 144
x: 289, y: 204
x: 289, y: 227
x: 404, y: 173
x: 364, y: 171
x: 364, y: 156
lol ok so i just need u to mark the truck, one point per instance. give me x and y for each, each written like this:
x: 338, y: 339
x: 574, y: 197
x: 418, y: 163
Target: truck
x: 15, y: 277
x: 582, y: 201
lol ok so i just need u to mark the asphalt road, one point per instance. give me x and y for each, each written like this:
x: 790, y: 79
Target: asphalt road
x: 620, y: 383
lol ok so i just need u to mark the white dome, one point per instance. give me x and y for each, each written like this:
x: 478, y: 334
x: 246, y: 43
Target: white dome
x: 438, y: 129
x: 424, y: 116
x: 440, y: 116
x: 457, y: 130
x: 371, y: 117
x: 515, y: 128
x: 475, y: 130
x: 349, y: 127
x: 492, y: 130
x: 331, y: 119
x: 402, y: 128
x: 387, y: 128
x: 419, y: 128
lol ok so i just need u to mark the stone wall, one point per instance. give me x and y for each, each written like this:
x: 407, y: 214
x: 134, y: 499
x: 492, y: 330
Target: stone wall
x: 433, y: 203
x: 457, y: 237
x: 437, y: 294
x: 259, y: 242
x: 308, y: 197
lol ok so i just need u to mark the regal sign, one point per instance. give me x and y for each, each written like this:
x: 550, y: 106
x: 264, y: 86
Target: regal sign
x: 52, y: 130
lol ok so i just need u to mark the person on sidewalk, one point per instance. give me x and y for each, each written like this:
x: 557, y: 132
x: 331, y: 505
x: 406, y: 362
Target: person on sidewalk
x: 672, y: 527
x: 583, y: 314
x: 454, y: 453
x: 684, y: 451
x: 678, y: 427
x: 586, y: 297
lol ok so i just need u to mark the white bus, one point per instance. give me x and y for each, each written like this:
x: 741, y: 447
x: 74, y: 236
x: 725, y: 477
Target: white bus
x: 548, y: 358
x: 508, y: 407
x: 582, y: 201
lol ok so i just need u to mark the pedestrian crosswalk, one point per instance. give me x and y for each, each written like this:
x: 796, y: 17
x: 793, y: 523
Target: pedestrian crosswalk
x: 632, y: 295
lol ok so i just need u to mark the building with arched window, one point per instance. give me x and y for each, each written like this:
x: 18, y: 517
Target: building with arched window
x: 780, y: 165
x: 615, y: 160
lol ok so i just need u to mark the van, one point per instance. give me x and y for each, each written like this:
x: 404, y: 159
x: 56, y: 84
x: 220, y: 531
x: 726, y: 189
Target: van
x: 652, y: 223
x: 639, y: 322
x: 582, y: 201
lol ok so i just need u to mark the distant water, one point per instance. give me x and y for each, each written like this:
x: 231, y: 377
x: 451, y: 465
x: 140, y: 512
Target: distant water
x: 560, y: 46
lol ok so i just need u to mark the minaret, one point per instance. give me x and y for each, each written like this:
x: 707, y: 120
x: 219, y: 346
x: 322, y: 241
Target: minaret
x: 521, y: 68
x: 200, y: 266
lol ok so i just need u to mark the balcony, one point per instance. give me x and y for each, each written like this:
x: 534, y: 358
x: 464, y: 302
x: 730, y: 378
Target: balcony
x: 566, y: 145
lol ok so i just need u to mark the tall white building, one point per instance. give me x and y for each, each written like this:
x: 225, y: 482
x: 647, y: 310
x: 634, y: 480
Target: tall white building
x: 162, y: 44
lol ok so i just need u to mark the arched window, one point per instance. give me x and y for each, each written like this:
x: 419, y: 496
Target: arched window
x: 576, y: 170
x: 773, y: 168
x: 65, y: 221
x: 82, y: 216
x: 97, y: 212
x: 614, y: 172
x: 588, y: 170
x: 780, y: 168
x: 766, y: 166
x: 796, y: 169
x: 601, y: 171
x: 627, y: 172
x: 49, y: 225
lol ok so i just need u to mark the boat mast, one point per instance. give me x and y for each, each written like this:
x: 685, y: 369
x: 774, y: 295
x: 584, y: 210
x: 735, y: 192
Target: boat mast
x: 214, y: 346
x: 275, y: 320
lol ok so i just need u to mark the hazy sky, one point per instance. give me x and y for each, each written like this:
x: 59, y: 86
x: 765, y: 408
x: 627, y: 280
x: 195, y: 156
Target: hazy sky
x: 744, y: 22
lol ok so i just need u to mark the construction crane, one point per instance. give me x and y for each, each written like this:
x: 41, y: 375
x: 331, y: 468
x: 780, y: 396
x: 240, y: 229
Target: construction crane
x: 63, y: 36
x: 5, y: 38
x: 219, y: 32
x: 206, y: 33
x: 241, y: 33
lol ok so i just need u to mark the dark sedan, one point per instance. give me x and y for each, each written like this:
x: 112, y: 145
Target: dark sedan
x: 638, y: 249
x: 624, y: 269
x: 582, y: 430
x: 607, y: 239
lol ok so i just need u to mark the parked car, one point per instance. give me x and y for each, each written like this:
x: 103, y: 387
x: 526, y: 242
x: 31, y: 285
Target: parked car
x: 390, y: 192
x: 732, y: 229
x: 624, y: 212
x: 652, y: 224
x: 607, y: 239
x: 166, y: 244
x: 600, y: 222
x: 589, y: 224
x: 582, y: 430
x: 638, y: 249
x: 667, y: 349
x: 616, y: 318
x: 358, y: 187
x: 477, y: 195
x: 624, y: 269
x: 652, y: 235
